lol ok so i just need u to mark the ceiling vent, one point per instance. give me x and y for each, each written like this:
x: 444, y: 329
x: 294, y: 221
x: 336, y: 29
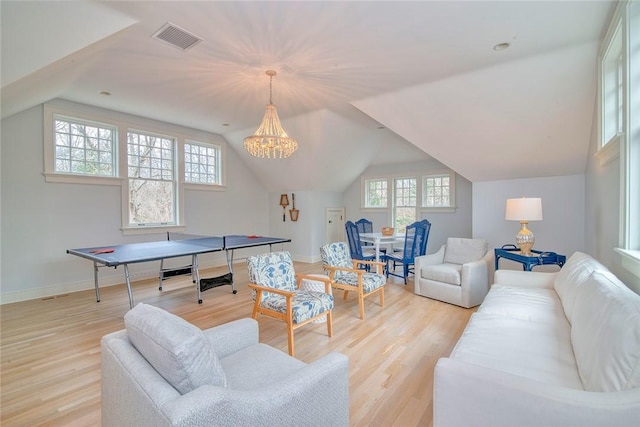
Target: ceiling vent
x: 176, y: 36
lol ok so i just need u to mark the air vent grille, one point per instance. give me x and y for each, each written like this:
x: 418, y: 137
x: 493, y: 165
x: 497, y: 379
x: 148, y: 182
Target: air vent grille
x: 176, y: 36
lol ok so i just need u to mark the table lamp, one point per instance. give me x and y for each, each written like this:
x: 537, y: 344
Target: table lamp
x: 524, y: 210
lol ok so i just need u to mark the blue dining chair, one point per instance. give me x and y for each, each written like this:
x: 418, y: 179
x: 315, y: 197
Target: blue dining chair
x: 415, y: 244
x: 355, y: 245
x: 366, y: 226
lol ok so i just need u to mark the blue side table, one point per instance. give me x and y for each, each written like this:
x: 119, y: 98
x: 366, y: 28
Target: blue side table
x: 512, y: 253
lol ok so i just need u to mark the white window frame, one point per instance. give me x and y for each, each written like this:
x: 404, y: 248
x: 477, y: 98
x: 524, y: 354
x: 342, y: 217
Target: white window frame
x: 128, y: 222
x: 219, y: 172
x: 365, y: 182
x: 122, y: 122
x: 420, y: 177
x: 395, y: 207
x: 452, y: 191
x: 626, y: 22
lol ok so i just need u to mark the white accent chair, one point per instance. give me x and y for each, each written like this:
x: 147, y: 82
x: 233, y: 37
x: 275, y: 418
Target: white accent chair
x: 165, y: 371
x: 459, y: 273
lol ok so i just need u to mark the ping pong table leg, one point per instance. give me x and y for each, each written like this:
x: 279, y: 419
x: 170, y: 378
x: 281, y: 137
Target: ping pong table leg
x: 196, y: 273
x: 128, y: 279
x: 230, y: 264
x: 95, y: 280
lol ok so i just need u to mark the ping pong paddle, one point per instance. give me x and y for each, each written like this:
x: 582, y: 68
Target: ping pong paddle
x: 102, y: 251
x: 253, y: 237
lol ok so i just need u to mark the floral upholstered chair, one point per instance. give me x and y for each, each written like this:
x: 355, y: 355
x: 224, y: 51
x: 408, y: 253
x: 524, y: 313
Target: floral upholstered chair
x: 345, y: 275
x: 277, y: 293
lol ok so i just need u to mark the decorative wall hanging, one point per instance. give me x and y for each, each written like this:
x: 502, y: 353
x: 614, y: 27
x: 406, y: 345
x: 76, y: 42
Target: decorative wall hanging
x: 293, y: 212
x: 284, y: 202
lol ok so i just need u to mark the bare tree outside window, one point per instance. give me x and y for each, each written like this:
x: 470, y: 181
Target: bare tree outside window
x: 151, y: 171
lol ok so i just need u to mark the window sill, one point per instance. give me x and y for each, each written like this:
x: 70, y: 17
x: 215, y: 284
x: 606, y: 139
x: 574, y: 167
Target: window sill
x: 81, y: 179
x: 162, y: 229
x: 630, y: 260
x: 448, y: 209
x: 609, y: 151
x: 204, y: 187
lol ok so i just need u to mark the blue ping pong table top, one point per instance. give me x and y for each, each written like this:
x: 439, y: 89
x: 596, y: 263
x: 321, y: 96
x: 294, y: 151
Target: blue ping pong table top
x: 152, y: 251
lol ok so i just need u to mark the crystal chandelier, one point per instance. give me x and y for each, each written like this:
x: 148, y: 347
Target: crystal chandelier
x: 270, y: 140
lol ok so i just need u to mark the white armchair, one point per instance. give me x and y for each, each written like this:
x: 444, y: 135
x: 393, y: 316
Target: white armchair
x: 165, y: 371
x: 459, y: 273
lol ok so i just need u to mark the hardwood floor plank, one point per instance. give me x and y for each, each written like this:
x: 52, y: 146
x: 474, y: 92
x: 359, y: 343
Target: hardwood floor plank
x: 50, y: 348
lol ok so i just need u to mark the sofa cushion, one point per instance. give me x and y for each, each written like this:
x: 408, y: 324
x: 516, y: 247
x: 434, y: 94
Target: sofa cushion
x: 574, y: 274
x: 268, y: 366
x: 176, y: 349
x: 461, y: 251
x: 532, y: 304
x: 539, y: 351
x: 605, y: 334
x: 445, y: 273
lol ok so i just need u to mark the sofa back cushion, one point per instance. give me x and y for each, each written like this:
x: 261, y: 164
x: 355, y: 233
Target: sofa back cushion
x: 175, y: 348
x: 605, y: 334
x: 571, y: 277
x: 461, y: 251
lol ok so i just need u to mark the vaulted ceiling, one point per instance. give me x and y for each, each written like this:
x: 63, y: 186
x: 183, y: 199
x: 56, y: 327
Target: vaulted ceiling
x: 359, y: 83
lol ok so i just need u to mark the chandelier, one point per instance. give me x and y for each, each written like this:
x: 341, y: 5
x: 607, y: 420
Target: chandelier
x: 270, y: 140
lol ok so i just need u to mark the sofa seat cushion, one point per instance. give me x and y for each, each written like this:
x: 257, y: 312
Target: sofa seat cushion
x: 461, y: 251
x: 268, y: 366
x: 606, y: 334
x: 538, y: 351
x: 305, y: 304
x: 177, y: 349
x: 446, y: 273
x: 533, y: 304
x: 370, y: 281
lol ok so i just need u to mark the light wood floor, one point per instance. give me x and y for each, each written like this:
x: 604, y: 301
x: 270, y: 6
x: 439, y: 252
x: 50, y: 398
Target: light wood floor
x: 50, y: 348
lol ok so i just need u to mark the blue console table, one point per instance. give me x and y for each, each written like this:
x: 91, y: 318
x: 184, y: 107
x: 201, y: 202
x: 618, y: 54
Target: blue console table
x: 512, y: 253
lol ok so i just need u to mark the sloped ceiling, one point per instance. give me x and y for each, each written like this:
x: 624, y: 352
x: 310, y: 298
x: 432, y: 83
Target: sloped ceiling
x: 425, y: 71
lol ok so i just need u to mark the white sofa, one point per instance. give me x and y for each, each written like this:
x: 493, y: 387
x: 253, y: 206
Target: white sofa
x: 546, y: 349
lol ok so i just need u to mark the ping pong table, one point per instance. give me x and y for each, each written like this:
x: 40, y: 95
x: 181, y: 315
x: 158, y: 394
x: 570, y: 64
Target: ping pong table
x: 176, y: 245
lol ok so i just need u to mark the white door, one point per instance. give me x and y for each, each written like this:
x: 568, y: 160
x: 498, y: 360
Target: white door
x: 334, y: 225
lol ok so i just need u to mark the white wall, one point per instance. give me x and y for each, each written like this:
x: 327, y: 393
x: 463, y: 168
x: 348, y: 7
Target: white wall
x: 602, y: 211
x: 41, y: 220
x: 443, y: 225
x: 561, y: 230
x: 308, y: 233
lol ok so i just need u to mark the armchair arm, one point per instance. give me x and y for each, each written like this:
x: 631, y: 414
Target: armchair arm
x: 233, y: 336
x: 272, y: 290
x: 495, y: 398
x: 430, y: 259
x: 332, y: 269
x: 474, y: 280
x: 379, y: 264
x: 316, y: 395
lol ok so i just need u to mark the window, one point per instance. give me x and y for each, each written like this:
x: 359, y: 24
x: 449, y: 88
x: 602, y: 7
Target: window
x: 412, y: 193
x: 436, y: 191
x: 620, y: 121
x: 201, y: 163
x: 153, y: 163
x: 612, y: 88
x: 375, y: 193
x: 84, y: 148
x: 151, y: 172
x: 404, y: 203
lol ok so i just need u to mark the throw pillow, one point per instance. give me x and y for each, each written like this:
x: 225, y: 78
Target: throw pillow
x: 177, y: 349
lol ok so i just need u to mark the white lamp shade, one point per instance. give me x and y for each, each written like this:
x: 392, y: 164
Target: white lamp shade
x: 524, y: 209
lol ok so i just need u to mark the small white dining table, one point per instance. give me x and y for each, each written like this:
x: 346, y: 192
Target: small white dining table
x: 378, y: 239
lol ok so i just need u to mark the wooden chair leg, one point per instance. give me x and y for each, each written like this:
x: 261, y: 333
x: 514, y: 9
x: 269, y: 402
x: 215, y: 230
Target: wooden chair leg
x: 382, y: 297
x: 330, y: 323
x: 345, y: 294
x: 361, y: 304
x: 290, y: 338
